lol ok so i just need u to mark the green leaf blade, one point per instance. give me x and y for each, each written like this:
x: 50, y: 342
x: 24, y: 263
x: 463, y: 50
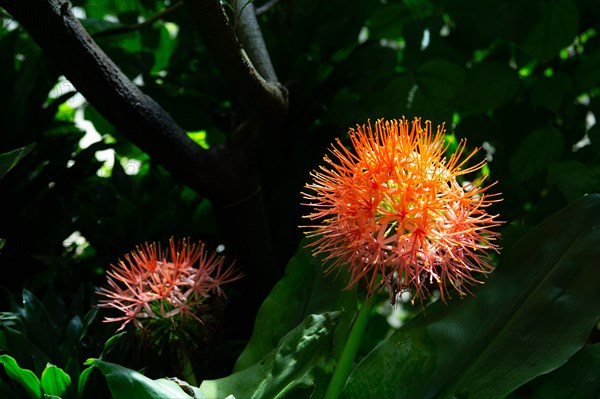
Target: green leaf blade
x: 303, y: 290
x: 292, y: 365
x: 25, y: 377
x: 55, y: 381
x: 488, y: 345
x: 8, y: 160
x: 125, y: 383
x: 577, y: 379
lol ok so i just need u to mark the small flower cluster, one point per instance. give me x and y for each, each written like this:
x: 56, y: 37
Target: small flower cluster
x: 393, y: 212
x: 152, y: 284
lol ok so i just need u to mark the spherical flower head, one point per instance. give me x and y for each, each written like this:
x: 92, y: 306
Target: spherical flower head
x: 392, y: 211
x: 162, y: 290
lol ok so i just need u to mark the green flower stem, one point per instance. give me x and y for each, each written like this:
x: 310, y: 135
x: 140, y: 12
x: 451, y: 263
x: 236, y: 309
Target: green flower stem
x: 187, y: 369
x: 346, y: 361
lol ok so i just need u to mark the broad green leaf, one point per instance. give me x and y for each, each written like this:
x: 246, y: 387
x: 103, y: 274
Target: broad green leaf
x: 594, y: 136
x: 552, y: 92
x: 574, y: 179
x: 25, y: 377
x: 488, y: 345
x: 292, y: 365
x: 20, y: 347
x: 55, y: 381
x: 8, y: 160
x: 488, y: 86
x: 164, y: 50
x: 536, y: 152
x: 75, y: 332
x: 82, y: 381
x: 437, y: 83
x: 420, y: 8
x: 387, y: 21
x: 576, y: 379
x: 503, y: 19
x: 125, y: 383
x: 556, y: 29
x: 302, y: 291
x: 586, y: 74
x: 41, y: 328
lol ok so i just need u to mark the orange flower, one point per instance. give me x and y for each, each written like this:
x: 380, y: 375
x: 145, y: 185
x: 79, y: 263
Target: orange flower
x: 394, y: 214
x: 165, y: 285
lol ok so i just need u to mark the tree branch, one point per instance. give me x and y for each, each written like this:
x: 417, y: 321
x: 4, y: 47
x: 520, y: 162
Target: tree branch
x: 251, y: 38
x: 60, y: 35
x: 268, y: 98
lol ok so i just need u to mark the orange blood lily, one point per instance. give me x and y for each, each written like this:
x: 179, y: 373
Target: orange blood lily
x: 391, y: 210
x: 170, y: 285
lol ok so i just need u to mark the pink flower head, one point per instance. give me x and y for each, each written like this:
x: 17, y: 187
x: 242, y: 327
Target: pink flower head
x: 154, y: 284
x: 393, y: 213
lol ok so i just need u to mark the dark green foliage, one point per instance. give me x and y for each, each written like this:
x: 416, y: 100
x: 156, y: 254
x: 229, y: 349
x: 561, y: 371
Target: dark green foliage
x: 518, y: 77
x: 477, y: 346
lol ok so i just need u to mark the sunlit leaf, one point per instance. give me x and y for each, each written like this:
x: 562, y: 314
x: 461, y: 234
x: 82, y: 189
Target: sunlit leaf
x: 25, y: 377
x: 291, y: 365
x: 303, y: 290
x: 55, y: 381
x: 125, y: 383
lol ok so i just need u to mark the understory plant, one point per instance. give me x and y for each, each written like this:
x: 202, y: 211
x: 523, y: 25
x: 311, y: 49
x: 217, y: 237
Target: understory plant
x: 395, y: 212
x: 231, y: 199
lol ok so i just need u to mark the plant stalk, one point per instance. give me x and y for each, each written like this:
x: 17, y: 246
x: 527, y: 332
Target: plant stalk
x: 346, y: 361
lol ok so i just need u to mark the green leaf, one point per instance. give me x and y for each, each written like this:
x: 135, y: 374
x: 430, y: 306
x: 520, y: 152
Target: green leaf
x: 302, y: 291
x: 437, y: 83
x: 17, y: 344
x: 586, y: 74
x: 488, y: 345
x: 556, y: 29
x: 574, y: 179
x: 164, y: 50
x: 125, y: 383
x: 420, y: 8
x: 8, y: 160
x: 25, y: 377
x: 551, y: 92
x: 41, y: 328
x: 55, y: 381
x: 290, y: 366
x: 541, y: 147
x: 594, y: 136
x: 576, y: 379
x: 488, y: 86
x: 82, y: 381
x: 387, y: 21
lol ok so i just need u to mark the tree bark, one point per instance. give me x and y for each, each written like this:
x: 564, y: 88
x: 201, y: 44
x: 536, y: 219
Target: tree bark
x: 221, y: 174
x: 266, y: 97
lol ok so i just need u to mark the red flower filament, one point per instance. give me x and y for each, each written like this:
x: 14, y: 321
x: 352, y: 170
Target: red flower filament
x: 152, y: 284
x: 393, y: 212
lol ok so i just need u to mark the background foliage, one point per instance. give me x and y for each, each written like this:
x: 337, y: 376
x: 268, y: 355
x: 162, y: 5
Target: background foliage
x: 519, y: 78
